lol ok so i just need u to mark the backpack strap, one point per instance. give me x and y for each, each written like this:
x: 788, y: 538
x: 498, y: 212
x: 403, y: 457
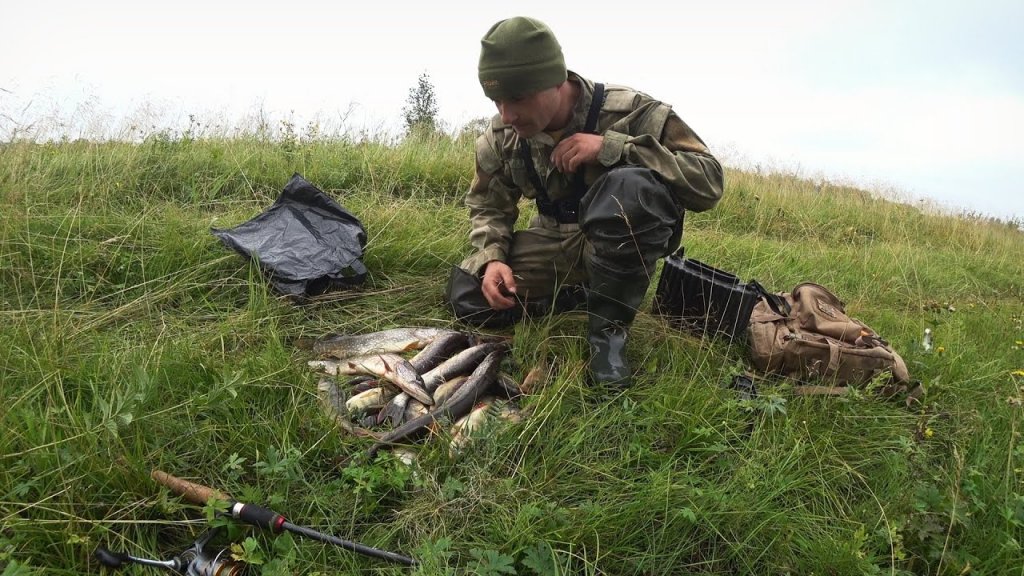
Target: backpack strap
x: 565, y: 210
x: 776, y: 302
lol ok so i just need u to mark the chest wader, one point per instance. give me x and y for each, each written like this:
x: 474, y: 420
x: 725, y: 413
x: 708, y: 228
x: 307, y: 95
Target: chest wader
x: 631, y: 220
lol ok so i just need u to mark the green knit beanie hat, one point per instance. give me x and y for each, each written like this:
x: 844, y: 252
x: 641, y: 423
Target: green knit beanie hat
x: 520, y: 56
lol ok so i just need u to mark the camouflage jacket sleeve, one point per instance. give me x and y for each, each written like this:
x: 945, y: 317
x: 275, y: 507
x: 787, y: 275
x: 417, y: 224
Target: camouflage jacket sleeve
x: 493, y: 205
x: 678, y: 154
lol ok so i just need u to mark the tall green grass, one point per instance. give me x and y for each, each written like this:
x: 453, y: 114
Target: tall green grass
x: 130, y: 339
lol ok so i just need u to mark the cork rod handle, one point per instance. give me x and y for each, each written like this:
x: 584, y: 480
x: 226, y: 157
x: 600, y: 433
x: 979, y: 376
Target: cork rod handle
x: 194, y: 493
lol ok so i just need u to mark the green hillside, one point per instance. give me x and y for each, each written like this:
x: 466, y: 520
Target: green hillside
x: 131, y: 339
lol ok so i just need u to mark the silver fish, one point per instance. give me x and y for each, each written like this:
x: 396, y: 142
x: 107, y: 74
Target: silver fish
x: 365, y: 401
x: 390, y: 367
x: 510, y: 413
x: 463, y: 429
x: 405, y: 456
x: 415, y: 409
x: 445, y: 391
x: 396, y: 340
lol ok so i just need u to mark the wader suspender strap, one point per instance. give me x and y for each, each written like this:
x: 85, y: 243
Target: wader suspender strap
x: 565, y: 210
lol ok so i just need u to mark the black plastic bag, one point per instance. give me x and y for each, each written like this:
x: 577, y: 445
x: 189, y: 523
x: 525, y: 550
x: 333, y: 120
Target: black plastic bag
x: 306, y: 243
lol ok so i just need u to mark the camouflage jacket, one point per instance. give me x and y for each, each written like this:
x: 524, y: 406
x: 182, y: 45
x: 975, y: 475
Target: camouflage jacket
x: 637, y: 130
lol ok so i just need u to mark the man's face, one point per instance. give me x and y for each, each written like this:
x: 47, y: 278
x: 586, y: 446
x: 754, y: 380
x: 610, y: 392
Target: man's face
x: 531, y: 113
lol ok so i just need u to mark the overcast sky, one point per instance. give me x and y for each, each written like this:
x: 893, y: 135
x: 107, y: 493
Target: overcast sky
x: 922, y: 97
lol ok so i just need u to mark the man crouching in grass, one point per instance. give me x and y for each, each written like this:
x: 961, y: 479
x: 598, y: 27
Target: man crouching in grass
x: 612, y: 171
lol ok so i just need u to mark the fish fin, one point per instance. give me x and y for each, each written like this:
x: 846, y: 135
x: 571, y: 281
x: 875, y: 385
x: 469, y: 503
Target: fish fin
x: 536, y: 378
x: 393, y: 413
x: 361, y: 367
x: 387, y: 367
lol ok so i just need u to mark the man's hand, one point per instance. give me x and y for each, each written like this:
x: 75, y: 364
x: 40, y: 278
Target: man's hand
x: 498, y: 285
x: 575, y: 151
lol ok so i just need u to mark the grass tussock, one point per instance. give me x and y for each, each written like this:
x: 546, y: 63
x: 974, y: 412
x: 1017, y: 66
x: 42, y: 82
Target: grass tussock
x: 131, y: 340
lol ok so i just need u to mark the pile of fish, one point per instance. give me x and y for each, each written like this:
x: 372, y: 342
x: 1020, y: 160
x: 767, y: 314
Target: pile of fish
x: 398, y: 385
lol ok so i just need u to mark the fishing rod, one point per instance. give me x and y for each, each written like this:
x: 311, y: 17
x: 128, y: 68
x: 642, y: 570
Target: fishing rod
x: 266, y: 518
x: 196, y: 560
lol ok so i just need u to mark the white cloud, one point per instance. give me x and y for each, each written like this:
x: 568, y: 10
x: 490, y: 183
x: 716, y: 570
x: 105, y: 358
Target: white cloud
x: 898, y: 93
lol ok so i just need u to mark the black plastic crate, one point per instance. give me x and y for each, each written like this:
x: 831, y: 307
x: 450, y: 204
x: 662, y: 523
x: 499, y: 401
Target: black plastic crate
x: 704, y: 299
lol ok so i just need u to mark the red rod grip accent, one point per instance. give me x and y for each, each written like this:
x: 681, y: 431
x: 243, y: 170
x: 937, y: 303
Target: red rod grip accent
x: 260, y: 516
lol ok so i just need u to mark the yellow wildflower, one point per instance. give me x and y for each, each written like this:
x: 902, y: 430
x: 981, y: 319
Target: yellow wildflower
x: 940, y: 349
x: 928, y: 432
x: 1017, y: 373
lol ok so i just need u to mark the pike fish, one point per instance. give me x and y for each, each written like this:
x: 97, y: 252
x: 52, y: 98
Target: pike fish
x: 355, y: 385
x: 392, y: 341
x: 439, y: 350
x: 435, y: 353
x: 333, y: 401
x: 329, y: 367
x: 390, y: 367
x: 401, y: 408
x: 462, y: 363
x: 357, y: 381
x: 362, y: 385
x: 458, y: 405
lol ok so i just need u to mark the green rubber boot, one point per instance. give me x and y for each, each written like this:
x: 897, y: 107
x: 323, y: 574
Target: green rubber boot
x: 611, y: 306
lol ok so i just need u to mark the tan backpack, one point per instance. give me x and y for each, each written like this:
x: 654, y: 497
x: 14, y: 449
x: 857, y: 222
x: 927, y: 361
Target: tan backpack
x: 807, y: 336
